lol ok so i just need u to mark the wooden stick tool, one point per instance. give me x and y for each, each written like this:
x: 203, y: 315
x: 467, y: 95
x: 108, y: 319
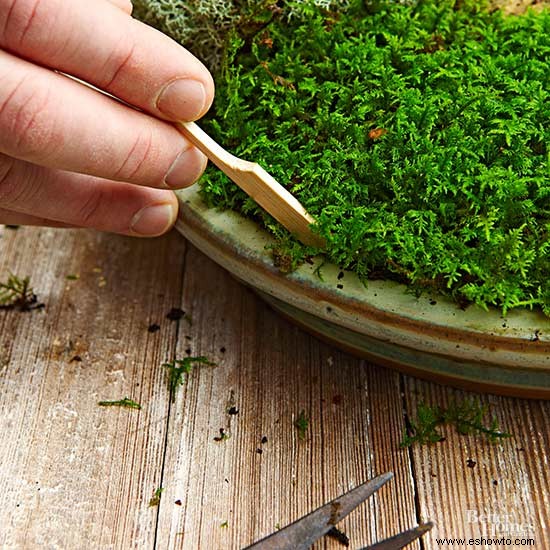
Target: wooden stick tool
x: 258, y: 184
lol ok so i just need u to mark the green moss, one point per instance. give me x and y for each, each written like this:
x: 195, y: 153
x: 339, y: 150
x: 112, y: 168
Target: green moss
x: 17, y: 293
x: 417, y: 134
x: 155, y: 499
x: 301, y: 423
x: 126, y: 402
x: 467, y: 417
x: 179, y: 368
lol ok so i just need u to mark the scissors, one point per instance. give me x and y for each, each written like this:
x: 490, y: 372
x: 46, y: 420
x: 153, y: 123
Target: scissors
x: 304, y: 532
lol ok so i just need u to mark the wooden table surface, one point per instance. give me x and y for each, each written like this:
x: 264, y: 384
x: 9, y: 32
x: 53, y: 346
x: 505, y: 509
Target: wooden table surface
x: 76, y: 475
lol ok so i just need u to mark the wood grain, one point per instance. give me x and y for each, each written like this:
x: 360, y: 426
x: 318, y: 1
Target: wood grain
x: 74, y: 475
x: 271, y: 371
x: 465, y: 477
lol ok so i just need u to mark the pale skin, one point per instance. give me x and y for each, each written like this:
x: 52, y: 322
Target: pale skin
x: 71, y: 156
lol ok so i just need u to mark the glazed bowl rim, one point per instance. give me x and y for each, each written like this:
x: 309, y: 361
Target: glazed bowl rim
x: 240, y: 246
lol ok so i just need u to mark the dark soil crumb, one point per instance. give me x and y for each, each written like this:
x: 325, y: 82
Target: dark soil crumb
x: 222, y: 349
x: 153, y: 328
x: 471, y: 463
x: 264, y: 439
x: 259, y: 451
x: 175, y: 314
x: 233, y: 410
x: 76, y: 359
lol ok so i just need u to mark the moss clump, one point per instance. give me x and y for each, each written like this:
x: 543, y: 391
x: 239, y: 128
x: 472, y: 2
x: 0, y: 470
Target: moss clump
x: 416, y: 133
x: 467, y: 417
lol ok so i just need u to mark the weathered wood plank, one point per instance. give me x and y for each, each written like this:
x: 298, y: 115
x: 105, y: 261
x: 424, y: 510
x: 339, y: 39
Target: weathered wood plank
x: 72, y: 474
x: 271, y: 371
x: 471, y: 488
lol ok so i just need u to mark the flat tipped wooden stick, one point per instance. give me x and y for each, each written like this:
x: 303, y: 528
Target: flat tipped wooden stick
x: 258, y: 184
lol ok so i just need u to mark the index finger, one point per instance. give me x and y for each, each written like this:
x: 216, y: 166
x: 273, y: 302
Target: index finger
x: 99, y: 43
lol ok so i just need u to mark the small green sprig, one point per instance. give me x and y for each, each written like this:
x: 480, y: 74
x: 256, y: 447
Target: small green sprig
x: 126, y: 402
x: 178, y: 368
x: 155, y: 499
x: 301, y: 424
x: 467, y: 418
x: 17, y: 293
x: 224, y: 436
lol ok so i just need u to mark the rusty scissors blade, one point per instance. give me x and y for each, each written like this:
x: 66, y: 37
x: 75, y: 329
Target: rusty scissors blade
x: 402, y: 539
x: 301, y: 534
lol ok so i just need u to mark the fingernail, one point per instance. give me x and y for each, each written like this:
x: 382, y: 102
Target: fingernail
x: 153, y: 220
x: 186, y: 169
x: 182, y: 99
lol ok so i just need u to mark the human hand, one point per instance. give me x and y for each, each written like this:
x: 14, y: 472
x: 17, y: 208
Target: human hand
x: 72, y: 156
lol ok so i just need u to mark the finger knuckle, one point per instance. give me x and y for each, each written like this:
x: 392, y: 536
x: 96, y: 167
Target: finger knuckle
x: 118, y: 64
x: 90, y: 212
x: 7, y: 181
x: 18, y: 185
x: 139, y: 155
x: 28, y: 128
x: 20, y: 17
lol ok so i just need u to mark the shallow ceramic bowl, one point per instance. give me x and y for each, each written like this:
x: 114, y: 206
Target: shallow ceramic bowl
x: 429, y: 337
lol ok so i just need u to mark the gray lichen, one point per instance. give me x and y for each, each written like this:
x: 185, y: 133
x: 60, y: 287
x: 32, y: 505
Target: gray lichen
x: 202, y: 26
